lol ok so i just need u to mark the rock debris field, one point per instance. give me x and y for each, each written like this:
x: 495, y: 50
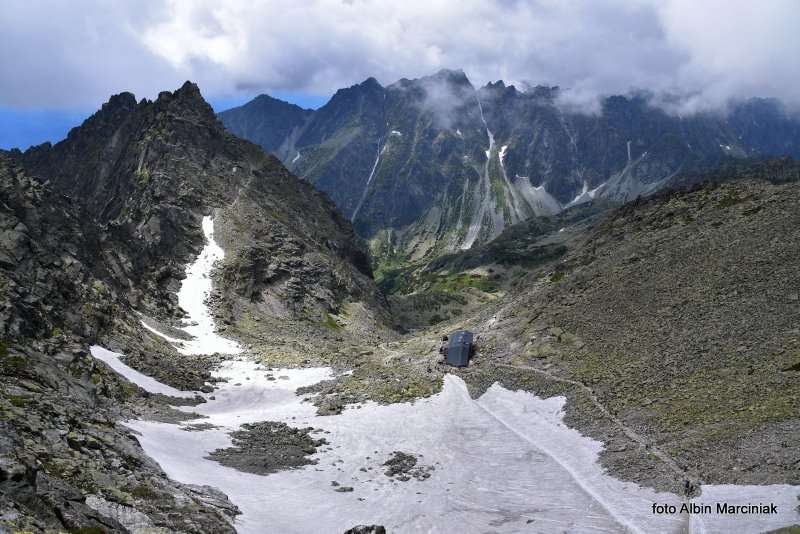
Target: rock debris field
x: 504, y: 462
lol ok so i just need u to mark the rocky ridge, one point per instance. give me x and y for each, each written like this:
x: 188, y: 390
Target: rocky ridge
x: 96, y: 233
x: 435, y: 164
x: 65, y: 462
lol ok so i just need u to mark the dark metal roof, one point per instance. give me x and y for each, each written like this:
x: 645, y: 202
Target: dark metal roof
x: 458, y: 348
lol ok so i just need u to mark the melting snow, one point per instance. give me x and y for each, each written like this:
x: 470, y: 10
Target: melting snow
x: 504, y: 461
x: 194, y: 292
x: 482, y: 192
x: 366, y: 186
x: 174, y: 340
x: 586, y: 194
x: 143, y: 381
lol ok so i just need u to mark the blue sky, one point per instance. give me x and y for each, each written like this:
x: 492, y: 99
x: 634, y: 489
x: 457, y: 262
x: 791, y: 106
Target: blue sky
x: 25, y: 127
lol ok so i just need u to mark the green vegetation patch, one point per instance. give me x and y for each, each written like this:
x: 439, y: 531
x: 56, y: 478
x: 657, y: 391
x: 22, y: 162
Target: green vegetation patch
x: 331, y: 323
x: 375, y: 381
x: 731, y: 198
x: 144, y: 492
x: 457, y: 282
x: 19, y: 401
x: 87, y: 530
x: 12, y: 364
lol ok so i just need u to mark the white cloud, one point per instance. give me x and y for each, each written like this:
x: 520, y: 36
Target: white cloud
x: 78, y: 53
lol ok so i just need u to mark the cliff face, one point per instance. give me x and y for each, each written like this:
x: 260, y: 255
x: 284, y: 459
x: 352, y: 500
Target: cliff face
x: 99, y: 228
x: 145, y: 173
x: 434, y: 164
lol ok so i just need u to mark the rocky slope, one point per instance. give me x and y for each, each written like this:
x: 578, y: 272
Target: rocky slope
x: 65, y: 463
x: 148, y: 171
x: 434, y: 164
x: 673, y: 320
x: 95, y: 234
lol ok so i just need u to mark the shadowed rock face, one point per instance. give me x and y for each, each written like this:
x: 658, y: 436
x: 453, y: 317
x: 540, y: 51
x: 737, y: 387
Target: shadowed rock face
x: 102, y: 225
x: 145, y: 173
x: 413, y: 166
x: 59, y: 442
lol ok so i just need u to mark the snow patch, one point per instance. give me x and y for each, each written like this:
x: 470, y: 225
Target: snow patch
x: 151, y: 385
x: 395, y: 132
x: 490, y: 457
x: 192, y: 297
x: 366, y: 186
x: 160, y: 334
x: 585, y: 195
x: 296, y: 157
x: 506, y: 457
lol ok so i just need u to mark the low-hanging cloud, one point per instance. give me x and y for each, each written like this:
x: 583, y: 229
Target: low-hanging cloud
x: 75, y: 54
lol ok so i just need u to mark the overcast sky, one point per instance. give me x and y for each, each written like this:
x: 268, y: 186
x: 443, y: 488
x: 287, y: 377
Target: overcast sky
x: 68, y: 57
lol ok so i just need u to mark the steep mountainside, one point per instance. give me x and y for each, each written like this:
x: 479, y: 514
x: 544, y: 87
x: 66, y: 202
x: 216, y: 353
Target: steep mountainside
x: 95, y: 234
x: 267, y: 121
x: 434, y: 164
x: 65, y: 464
x: 147, y: 172
x: 676, y: 314
x: 682, y: 317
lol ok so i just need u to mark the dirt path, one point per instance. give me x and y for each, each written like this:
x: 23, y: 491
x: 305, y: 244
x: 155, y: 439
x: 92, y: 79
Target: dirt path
x: 391, y: 352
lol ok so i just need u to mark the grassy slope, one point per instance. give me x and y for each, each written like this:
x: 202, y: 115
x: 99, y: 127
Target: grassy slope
x: 681, y: 314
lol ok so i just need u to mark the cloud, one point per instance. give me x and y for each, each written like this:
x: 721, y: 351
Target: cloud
x: 77, y: 53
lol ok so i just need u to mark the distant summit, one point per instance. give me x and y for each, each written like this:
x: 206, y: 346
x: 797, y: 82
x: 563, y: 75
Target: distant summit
x: 433, y: 164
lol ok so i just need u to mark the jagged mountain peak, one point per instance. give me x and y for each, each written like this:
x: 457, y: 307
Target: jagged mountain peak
x: 121, y: 101
x: 454, y: 76
x: 269, y: 100
x: 437, y: 165
x: 370, y: 85
x: 188, y: 101
x: 442, y: 78
x: 370, y: 82
x: 498, y: 89
x: 147, y: 172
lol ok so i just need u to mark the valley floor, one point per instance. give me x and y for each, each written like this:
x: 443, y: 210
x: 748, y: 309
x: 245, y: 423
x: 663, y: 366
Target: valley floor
x: 504, y: 461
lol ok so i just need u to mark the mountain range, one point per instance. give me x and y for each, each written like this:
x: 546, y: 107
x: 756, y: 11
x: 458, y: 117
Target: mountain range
x: 435, y: 164
x: 660, y: 333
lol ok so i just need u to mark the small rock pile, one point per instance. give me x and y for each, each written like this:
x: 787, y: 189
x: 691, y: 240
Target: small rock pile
x: 267, y: 447
x: 403, y: 467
